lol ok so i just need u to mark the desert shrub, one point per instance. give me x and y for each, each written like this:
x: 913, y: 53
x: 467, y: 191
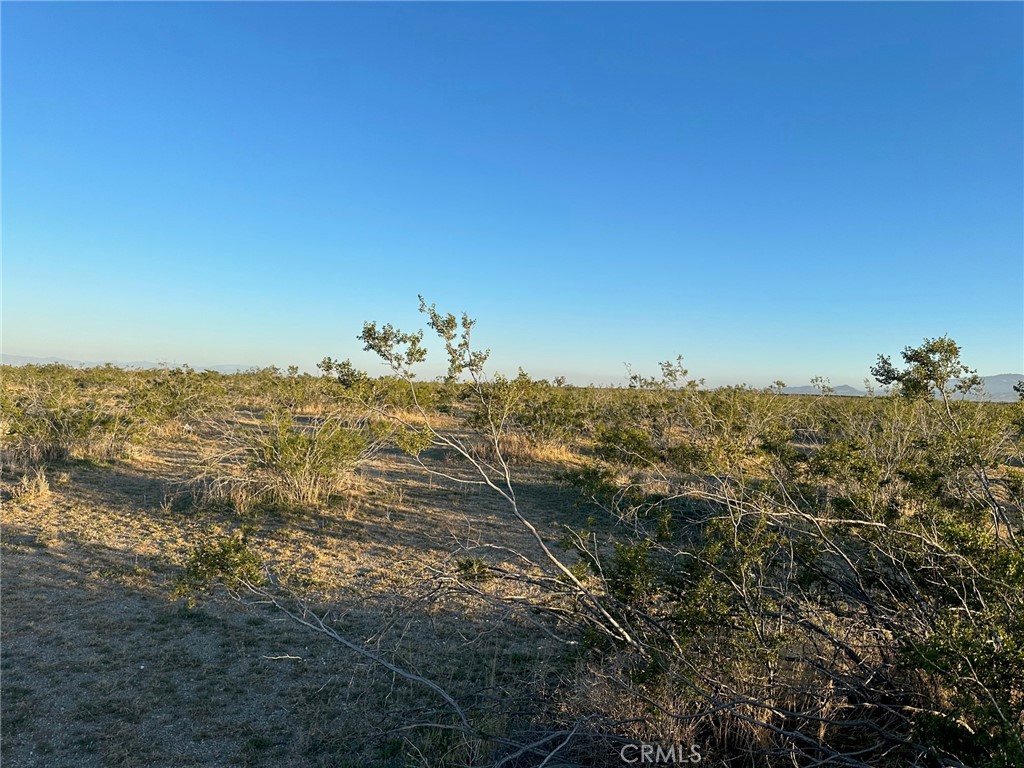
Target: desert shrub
x: 866, y: 594
x: 630, y: 445
x: 632, y: 574
x: 520, y: 419
x: 555, y: 414
x: 473, y: 569
x: 281, y: 460
x: 225, y: 560
x: 54, y: 416
x: 176, y: 395
x: 303, y: 465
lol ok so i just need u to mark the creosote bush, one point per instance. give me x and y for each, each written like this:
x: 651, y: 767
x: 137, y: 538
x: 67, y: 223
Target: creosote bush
x: 227, y: 561
x: 282, y: 460
x: 788, y: 580
x: 304, y: 465
x: 53, y: 416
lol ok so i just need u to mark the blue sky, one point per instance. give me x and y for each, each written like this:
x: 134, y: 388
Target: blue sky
x: 771, y: 190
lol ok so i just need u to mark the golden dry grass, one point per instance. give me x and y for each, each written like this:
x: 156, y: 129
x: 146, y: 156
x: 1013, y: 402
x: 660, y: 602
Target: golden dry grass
x: 102, y: 667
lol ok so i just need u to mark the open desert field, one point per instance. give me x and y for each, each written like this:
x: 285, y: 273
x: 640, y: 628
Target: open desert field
x: 568, y: 553
x: 282, y: 569
x: 107, y: 663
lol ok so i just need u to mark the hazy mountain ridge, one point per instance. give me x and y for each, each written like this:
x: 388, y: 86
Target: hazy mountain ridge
x: 998, y: 388
x: 844, y: 390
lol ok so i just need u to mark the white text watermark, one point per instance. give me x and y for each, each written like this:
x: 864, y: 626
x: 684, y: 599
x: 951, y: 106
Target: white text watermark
x: 643, y: 753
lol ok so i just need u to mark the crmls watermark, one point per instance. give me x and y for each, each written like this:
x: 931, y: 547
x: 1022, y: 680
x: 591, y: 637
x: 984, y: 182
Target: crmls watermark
x: 660, y: 754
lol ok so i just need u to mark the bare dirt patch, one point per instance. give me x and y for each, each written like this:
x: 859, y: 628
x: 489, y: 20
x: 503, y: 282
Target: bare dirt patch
x: 103, y: 667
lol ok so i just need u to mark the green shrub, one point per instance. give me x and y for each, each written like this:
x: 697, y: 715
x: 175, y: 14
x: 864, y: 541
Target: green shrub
x: 55, y: 420
x: 226, y: 560
x: 176, y: 394
x: 630, y: 445
x: 473, y: 569
x: 632, y: 576
x: 284, y: 461
x: 304, y: 465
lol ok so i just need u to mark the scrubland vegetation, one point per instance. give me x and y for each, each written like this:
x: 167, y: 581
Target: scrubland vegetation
x: 270, y: 568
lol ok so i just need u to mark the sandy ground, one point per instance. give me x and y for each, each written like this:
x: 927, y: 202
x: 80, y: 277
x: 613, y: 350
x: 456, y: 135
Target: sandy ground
x: 102, y: 666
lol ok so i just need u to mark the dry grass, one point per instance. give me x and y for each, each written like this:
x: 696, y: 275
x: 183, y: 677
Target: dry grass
x: 101, y: 667
x: 520, y: 450
x: 32, y: 487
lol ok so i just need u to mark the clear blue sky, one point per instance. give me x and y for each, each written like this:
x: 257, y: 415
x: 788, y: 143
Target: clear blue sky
x: 770, y: 190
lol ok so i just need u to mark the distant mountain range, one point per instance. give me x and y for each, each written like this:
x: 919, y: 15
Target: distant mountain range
x: 844, y: 390
x: 998, y: 388
x: 6, y: 359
